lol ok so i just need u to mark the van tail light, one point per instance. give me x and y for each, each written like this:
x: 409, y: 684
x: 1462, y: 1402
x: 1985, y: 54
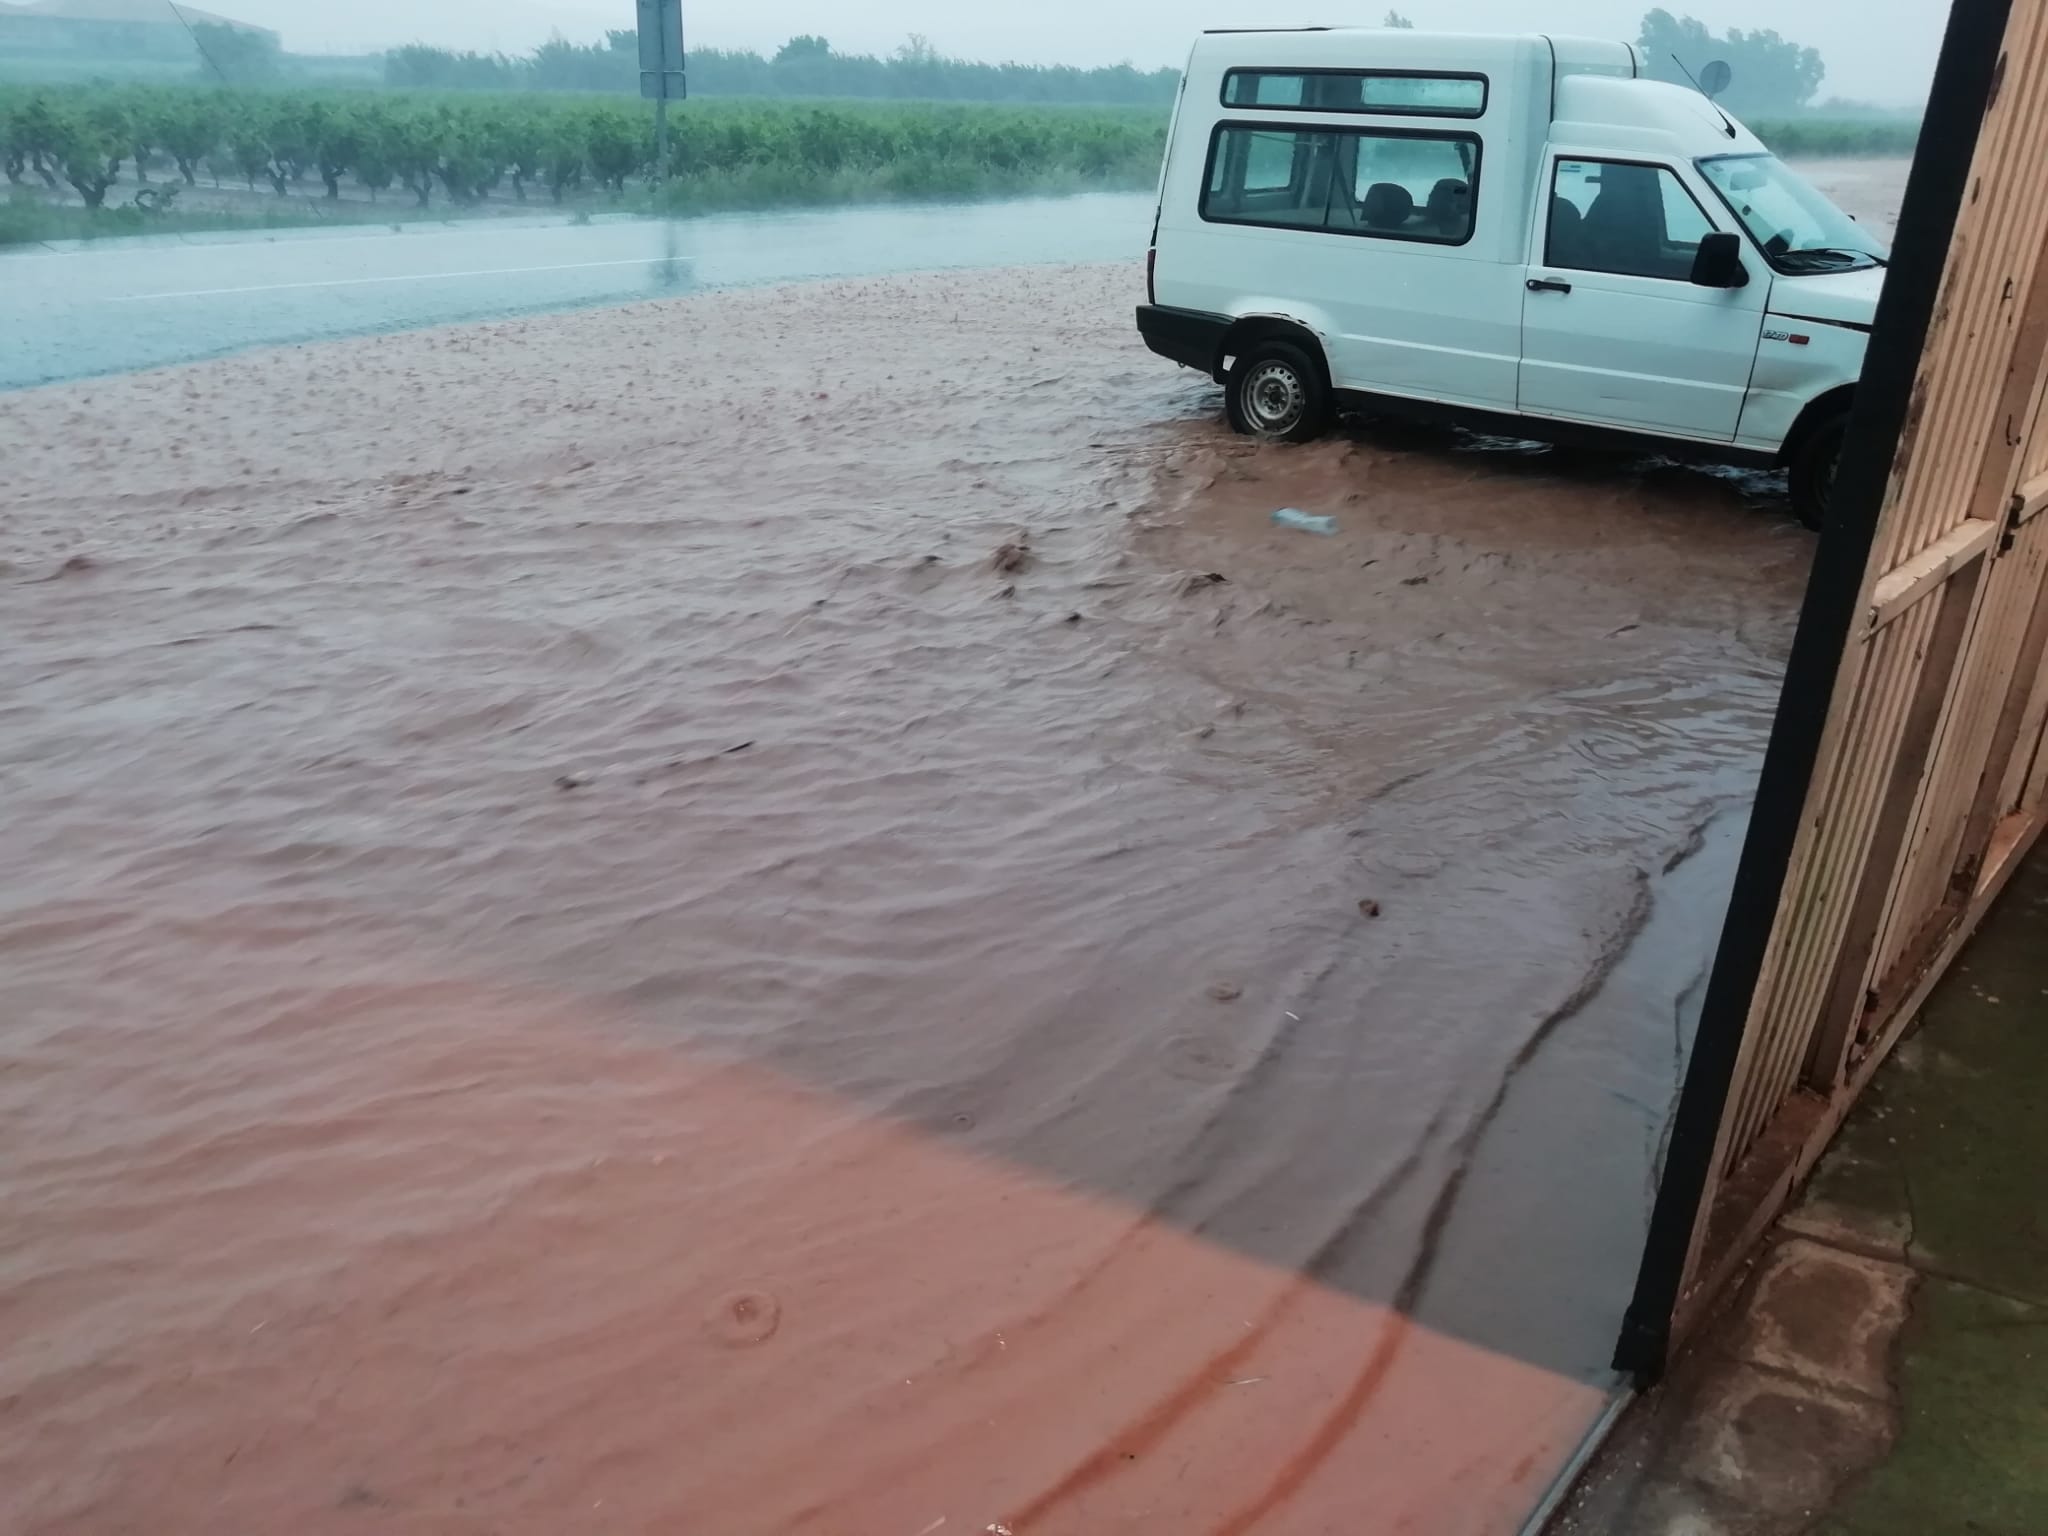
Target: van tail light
x: 1152, y: 275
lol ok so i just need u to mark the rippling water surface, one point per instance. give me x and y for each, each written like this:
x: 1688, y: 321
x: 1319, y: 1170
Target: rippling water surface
x: 849, y: 940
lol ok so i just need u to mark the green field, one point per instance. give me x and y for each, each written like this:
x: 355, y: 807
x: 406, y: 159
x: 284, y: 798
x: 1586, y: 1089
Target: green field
x: 1823, y: 138
x: 341, y: 155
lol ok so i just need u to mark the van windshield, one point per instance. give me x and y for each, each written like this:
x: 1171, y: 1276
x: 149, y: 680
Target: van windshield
x: 1797, y: 227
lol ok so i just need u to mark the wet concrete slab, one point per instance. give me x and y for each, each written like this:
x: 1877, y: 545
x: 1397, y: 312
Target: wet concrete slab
x: 1884, y: 1370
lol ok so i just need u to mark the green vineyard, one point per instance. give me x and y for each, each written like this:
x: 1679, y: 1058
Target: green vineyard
x: 105, y: 146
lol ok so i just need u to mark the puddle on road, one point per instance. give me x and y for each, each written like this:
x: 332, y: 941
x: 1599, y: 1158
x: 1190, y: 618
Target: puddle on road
x: 584, y: 954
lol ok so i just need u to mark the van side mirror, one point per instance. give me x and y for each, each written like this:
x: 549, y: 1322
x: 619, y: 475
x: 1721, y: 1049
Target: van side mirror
x: 1719, y: 262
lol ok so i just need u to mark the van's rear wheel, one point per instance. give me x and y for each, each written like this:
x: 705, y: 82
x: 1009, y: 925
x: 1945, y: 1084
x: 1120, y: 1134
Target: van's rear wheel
x: 1277, y: 393
x: 1814, y: 463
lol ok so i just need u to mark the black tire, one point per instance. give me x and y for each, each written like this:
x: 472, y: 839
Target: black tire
x: 1276, y: 393
x: 1813, y: 467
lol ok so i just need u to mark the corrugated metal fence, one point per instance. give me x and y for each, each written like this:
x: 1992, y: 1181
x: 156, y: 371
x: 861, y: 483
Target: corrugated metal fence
x: 1907, y: 772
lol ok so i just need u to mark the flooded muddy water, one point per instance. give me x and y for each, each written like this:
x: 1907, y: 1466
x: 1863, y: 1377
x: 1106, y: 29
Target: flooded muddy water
x: 839, y: 936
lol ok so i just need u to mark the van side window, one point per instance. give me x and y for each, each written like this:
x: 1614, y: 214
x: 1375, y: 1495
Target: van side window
x: 1386, y: 184
x: 1399, y: 92
x: 1631, y: 220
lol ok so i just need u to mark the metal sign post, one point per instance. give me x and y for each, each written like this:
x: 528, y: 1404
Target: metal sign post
x: 661, y: 69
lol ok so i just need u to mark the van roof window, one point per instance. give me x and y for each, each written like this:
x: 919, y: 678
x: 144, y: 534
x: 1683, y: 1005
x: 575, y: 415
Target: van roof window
x: 1401, y: 93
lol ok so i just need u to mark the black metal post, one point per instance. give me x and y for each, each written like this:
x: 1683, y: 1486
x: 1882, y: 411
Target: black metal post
x: 1966, y: 81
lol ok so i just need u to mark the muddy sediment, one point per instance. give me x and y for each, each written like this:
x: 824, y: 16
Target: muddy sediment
x: 790, y: 912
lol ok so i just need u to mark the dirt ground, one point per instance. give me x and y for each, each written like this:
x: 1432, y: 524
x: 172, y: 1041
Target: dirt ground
x: 852, y: 941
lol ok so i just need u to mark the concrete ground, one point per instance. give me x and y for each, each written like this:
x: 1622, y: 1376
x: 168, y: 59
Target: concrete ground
x: 1885, y: 1370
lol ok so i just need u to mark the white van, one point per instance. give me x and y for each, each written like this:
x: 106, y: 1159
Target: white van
x: 1519, y: 234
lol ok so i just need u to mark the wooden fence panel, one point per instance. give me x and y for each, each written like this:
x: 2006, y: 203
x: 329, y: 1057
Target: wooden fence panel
x: 1940, y: 874
x: 1927, y: 778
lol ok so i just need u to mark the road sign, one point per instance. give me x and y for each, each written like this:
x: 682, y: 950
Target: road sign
x: 661, y: 50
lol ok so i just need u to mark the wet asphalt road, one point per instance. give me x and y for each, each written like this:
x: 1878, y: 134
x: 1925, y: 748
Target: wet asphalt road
x: 111, y: 306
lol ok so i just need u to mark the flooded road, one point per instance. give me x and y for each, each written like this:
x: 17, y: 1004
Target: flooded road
x: 110, y: 306
x: 835, y: 946
x: 824, y: 949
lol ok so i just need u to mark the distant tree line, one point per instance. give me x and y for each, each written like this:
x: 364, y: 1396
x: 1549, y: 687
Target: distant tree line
x: 237, y: 55
x: 804, y: 66
x: 1771, y: 73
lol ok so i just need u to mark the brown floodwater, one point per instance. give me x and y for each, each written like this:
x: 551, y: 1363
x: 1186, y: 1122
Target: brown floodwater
x: 788, y: 912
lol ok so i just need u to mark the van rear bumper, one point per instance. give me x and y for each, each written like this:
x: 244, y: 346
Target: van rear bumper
x: 1191, y: 337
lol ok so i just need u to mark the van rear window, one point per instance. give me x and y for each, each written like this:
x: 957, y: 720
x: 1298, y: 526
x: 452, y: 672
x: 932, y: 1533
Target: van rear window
x: 1388, y: 184
x: 1404, y: 93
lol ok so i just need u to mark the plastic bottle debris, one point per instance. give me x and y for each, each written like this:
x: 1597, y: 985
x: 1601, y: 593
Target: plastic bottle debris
x: 1306, y: 522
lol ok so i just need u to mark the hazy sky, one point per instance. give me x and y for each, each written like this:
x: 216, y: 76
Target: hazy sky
x: 1879, y: 50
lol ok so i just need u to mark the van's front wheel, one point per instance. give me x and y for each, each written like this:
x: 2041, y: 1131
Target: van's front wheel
x: 1813, y: 467
x: 1277, y: 393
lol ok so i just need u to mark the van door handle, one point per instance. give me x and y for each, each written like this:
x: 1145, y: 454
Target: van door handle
x: 1549, y: 285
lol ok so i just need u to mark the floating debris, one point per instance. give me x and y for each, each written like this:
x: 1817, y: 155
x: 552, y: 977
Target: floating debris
x: 1305, y: 522
x: 1012, y: 557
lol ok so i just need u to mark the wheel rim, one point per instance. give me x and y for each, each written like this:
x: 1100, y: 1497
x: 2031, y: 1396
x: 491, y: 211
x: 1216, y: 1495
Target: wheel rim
x: 1274, y: 399
x: 1824, y: 482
